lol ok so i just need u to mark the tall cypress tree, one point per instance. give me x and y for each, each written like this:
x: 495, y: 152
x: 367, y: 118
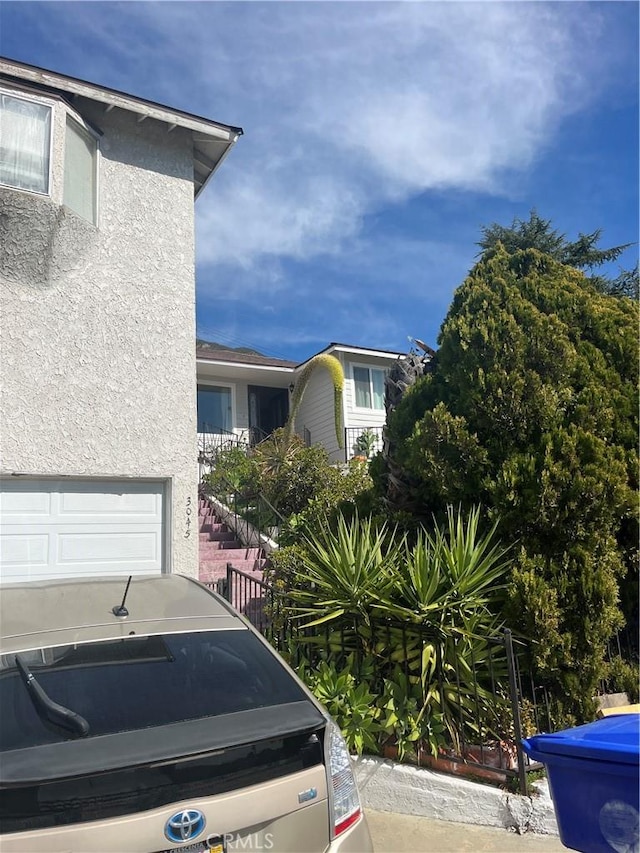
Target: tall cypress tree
x: 530, y: 406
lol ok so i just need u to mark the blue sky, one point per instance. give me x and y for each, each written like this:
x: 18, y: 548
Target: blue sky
x: 379, y: 138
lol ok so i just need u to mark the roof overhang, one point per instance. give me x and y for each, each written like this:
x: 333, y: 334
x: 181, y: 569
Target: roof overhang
x: 253, y: 374
x: 211, y: 140
x: 333, y: 348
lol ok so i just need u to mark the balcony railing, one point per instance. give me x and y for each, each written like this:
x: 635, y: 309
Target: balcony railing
x: 362, y: 441
x: 213, y: 440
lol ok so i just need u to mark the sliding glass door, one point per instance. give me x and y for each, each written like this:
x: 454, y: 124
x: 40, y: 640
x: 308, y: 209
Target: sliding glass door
x: 215, y: 409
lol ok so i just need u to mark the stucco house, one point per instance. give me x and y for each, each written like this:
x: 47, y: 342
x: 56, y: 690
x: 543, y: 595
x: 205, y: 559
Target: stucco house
x: 243, y: 397
x: 98, y: 442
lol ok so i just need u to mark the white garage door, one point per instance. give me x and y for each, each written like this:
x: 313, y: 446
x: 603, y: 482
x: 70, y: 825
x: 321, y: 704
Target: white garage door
x: 75, y: 528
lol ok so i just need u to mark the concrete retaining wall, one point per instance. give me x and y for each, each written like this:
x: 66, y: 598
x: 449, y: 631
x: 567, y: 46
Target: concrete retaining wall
x: 401, y: 788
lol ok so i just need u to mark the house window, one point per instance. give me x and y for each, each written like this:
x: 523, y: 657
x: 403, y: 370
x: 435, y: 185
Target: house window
x: 80, y: 174
x: 25, y: 144
x: 214, y: 409
x: 369, y: 385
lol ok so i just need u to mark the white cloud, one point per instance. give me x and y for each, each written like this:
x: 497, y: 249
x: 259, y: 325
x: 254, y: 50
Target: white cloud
x: 349, y: 106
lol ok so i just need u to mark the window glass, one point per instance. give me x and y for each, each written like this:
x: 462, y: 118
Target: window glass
x: 214, y: 409
x: 136, y: 682
x: 369, y: 385
x: 377, y: 380
x: 25, y: 144
x: 80, y: 171
x: 363, y: 389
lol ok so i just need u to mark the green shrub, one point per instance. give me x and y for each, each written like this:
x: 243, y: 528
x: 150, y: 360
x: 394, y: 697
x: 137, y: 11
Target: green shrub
x: 531, y: 408
x: 622, y: 677
x: 441, y: 593
x: 234, y: 471
x: 349, y: 701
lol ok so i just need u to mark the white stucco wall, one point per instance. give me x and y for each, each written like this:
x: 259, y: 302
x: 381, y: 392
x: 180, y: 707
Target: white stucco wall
x: 97, y: 362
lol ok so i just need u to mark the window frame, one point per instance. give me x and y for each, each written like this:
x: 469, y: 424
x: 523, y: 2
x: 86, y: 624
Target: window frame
x: 73, y: 116
x: 44, y: 102
x: 369, y: 368
x: 212, y: 383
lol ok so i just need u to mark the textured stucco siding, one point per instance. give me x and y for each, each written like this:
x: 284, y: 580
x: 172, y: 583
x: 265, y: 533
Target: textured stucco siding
x: 98, y: 323
x: 316, y: 413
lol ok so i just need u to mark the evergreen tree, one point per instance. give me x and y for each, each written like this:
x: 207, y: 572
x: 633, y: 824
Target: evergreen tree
x: 530, y: 406
x: 583, y: 253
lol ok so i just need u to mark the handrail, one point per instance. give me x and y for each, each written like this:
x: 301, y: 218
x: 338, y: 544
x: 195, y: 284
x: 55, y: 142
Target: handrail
x: 212, y: 429
x: 257, y: 521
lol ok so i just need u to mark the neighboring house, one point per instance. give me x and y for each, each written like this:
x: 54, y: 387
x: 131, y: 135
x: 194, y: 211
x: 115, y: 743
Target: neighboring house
x: 97, y: 296
x: 242, y: 398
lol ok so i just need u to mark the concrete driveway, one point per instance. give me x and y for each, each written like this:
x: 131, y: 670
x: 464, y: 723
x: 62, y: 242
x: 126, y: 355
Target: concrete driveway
x: 397, y: 833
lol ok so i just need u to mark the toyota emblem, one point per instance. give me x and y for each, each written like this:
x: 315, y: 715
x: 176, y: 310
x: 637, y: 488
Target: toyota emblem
x: 184, y: 825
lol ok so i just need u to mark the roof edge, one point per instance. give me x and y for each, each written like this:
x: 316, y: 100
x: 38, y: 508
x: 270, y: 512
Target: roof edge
x: 113, y: 97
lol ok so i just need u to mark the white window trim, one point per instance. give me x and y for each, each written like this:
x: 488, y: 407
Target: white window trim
x: 44, y: 102
x: 74, y: 116
x: 368, y: 367
x: 214, y: 384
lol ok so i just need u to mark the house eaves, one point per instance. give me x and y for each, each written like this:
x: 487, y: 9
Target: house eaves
x: 212, y: 140
x: 353, y: 350
x: 243, y: 359
x: 230, y: 366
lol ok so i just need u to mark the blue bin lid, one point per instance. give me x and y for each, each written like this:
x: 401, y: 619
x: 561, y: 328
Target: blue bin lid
x: 615, y: 739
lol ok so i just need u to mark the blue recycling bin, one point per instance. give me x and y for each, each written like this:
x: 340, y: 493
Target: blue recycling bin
x: 594, y: 778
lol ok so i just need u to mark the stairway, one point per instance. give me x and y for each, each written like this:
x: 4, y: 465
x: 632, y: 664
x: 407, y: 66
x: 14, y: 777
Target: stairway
x: 218, y: 546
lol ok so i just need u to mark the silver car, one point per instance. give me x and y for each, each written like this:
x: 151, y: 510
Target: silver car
x: 164, y: 722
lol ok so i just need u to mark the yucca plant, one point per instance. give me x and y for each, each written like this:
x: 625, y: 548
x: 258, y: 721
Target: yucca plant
x: 427, y: 610
x: 449, y: 574
x: 346, y: 571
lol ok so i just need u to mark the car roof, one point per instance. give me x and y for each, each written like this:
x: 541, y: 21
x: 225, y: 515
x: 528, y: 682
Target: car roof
x: 44, y: 613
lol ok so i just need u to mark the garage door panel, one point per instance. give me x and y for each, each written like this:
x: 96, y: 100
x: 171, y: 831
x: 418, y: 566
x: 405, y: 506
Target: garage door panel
x: 69, y: 528
x: 19, y: 549
x: 109, y: 504
x: 21, y: 503
x: 30, y: 572
x: 108, y: 547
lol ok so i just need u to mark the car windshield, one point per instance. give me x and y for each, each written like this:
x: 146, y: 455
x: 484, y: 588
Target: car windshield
x: 140, y: 682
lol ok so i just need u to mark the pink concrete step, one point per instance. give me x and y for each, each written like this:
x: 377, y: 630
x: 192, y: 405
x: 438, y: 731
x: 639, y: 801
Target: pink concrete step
x: 218, y: 568
x: 206, y: 520
x: 205, y: 536
x: 212, y: 527
x: 212, y: 547
x: 228, y: 555
x: 220, y: 537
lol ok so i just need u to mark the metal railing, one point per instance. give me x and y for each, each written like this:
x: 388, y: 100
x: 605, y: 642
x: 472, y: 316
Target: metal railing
x: 250, y: 515
x: 492, y: 702
x: 362, y: 441
x: 213, y: 439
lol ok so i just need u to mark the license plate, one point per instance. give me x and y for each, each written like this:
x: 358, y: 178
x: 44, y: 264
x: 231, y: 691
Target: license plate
x: 211, y: 845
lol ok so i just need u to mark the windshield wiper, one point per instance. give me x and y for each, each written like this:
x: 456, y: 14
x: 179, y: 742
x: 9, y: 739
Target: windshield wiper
x: 45, y: 706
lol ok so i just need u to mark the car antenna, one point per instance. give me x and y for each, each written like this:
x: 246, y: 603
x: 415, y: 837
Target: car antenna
x: 121, y: 610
